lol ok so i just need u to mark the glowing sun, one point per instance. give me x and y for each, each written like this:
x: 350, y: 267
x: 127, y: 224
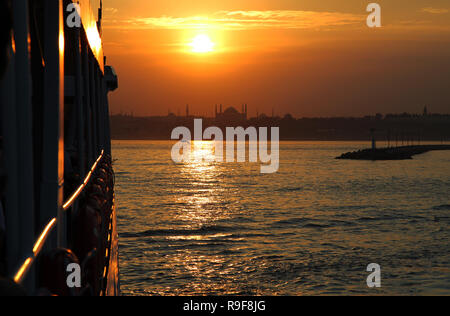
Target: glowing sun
x: 202, y: 44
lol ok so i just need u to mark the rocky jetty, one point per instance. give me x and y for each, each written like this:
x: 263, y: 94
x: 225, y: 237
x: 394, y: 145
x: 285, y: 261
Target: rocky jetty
x: 393, y: 153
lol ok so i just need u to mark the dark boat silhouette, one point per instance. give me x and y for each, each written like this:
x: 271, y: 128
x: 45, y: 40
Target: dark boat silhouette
x: 57, y: 193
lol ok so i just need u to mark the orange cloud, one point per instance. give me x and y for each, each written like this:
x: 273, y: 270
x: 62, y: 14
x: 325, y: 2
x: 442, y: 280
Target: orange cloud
x: 276, y: 19
x: 435, y: 10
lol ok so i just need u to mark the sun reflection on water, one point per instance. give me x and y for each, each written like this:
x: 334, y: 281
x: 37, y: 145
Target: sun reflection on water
x: 202, y: 202
x: 204, y: 205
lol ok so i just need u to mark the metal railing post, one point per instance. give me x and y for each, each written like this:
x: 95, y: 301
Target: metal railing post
x: 53, y: 130
x: 24, y: 128
x: 11, y: 207
x: 79, y: 105
x: 107, y: 127
x: 101, y: 113
x: 92, y: 82
x: 87, y: 100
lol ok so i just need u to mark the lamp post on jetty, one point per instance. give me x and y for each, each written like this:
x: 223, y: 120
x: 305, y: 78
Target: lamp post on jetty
x: 374, y: 143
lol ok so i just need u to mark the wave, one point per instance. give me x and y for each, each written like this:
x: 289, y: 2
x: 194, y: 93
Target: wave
x: 383, y: 218
x: 291, y: 221
x: 314, y: 225
x: 289, y: 189
x: 443, y: 207
x: 204, y: 230
x: 310, y: 223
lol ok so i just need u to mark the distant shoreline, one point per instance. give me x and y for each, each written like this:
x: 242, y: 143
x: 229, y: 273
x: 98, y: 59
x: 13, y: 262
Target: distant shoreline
x: 397, y: 130
x: 291, y: 140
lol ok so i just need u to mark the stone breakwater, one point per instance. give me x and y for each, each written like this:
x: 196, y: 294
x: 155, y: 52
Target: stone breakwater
x: 393, y: 153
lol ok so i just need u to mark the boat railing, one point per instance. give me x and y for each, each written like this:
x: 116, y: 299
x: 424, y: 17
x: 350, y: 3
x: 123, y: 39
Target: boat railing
x: 21, y: 273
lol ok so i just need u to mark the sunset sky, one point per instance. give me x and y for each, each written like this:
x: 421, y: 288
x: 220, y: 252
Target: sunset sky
x: 304, y: 57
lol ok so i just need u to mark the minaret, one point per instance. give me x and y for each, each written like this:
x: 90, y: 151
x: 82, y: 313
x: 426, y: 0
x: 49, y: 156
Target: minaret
x: 221, y: 109
x: 246, y: 112
x: 187, y: 110
x: 216, y: 111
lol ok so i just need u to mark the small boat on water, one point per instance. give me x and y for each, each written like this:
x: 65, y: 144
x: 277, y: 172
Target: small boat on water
x: 57, y: 208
